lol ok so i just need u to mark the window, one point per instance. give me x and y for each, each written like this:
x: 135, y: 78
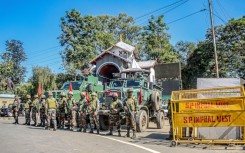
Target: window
x: 133, y: 83
x: 75, y: 85
x: 117, y: 83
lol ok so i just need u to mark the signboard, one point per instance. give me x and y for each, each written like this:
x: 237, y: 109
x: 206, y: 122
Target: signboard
x: 212, y: 105
x: 208, y: 119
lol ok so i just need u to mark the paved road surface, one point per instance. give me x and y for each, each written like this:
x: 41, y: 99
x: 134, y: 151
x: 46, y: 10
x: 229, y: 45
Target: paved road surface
x: 28, y: 139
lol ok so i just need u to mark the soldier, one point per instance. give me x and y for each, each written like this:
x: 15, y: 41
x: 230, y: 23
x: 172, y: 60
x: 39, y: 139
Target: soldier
x: 42, y: 110
x: 15, y: 108
x: 93, y: 108
x: 62, y: 110
x: 34, y: 110
x: 82, y: 114
x: 51, y: 106
x: 114, y: 117
x: 27, y: 110
x: 71, y: 112
x: 130, y: 106
x: 169, y: 115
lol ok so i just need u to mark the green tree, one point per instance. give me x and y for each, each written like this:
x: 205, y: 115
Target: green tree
x: 44, y: 77
x: 155, y: 42
x: 230, y: 40
x: 184, y: 50
x: 86, y: 36
x: 13, y: 58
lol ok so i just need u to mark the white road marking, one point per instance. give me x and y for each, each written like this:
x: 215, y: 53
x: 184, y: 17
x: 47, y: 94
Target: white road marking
x: 128, y: 143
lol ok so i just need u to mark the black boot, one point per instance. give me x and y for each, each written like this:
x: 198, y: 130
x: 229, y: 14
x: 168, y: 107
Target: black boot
x: 110, y: 133
x: 128, y: 132
x: 134, y: 135
x: 91, y: 131
x: 84, y: 129
x: 98, y: 131
x: 119, y: 133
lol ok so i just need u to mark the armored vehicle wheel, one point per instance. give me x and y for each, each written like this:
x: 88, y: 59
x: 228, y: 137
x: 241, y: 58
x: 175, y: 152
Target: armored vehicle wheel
x: 104, y: 122
x: 160, y: 120
x: 155, y: 99
x: 141, y: 121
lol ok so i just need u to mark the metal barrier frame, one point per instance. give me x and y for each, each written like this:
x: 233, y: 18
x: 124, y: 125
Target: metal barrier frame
x: 178, y: 97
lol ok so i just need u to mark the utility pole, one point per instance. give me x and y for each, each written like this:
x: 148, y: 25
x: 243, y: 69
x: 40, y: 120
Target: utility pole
x: 214, y: 41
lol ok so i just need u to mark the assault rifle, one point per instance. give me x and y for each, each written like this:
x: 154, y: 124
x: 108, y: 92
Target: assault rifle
x: 129, y: 112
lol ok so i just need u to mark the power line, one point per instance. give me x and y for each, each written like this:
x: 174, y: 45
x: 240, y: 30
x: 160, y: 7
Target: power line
x: 169, y: 10
x: 147, y: 14
x: 186, y: 16
x: 44, y: 49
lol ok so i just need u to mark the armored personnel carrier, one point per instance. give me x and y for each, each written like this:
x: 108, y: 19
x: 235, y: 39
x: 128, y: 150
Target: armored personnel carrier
x: 149, y: 105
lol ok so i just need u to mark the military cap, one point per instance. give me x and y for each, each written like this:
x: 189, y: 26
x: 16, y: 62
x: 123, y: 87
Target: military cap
x: 50, y: 93
x: 62, y: 94
x: 115, y: 94
x: 70, y: 93
x: 93, y: 94
x: 82, y: 93
x: 43, y: 96
x: 130, y: 90
x: 35, y: 96
x: 28, y: 96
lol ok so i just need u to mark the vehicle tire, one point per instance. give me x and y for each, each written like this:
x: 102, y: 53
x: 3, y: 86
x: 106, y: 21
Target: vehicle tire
x: 141, y: 121
x: 160, y: 120
x: 104, y: 122
x: 155, y: 98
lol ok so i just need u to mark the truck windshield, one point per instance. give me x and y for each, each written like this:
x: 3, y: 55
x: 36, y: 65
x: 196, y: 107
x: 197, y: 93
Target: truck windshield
x: 75, y: 86
x: 117, y: 83
x: 133, y: 83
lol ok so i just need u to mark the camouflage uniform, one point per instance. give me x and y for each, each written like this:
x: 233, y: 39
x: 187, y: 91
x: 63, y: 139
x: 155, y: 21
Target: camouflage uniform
x: 82, y: 113
x: 92, y: 111
x: 27, y: 110
x: 130, y: 120
x: 15, y: 108
x: 35, y: 110
x: 42, y: 110
x: 71, y: 111
x: 114, y: 117
x: 62, y: 110
x: 51, y: 106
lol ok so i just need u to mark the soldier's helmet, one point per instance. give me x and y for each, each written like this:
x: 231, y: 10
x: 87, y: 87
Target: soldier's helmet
x: 35, y: 96
x: 130, y: 90
x: 43, y: 96
x: 28, y: 96
x: 70, y: 93
x: 50, y: 93
x: 114, y: 94
x: 93, y: 94
x: 62, y: 94
x: 82, y: 93
x: 16, y: 96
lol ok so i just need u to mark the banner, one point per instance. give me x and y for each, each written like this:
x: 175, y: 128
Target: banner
x: 212, y: 105
x: 210, y: 119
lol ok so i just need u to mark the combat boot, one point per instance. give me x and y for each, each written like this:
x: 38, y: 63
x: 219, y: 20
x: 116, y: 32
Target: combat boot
x: 110, y: 133
x: 91, y: 131
x: 134, y: 135
x: 79, y: 130
x: 84, y: 130
x: 119, y: 133
x: 98, y: 131
x: 128, y: 132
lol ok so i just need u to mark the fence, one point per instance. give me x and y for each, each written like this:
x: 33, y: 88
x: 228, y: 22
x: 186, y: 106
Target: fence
x: 216, y: 107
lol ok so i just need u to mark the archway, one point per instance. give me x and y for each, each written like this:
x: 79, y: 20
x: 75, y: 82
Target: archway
x: 106, y: 71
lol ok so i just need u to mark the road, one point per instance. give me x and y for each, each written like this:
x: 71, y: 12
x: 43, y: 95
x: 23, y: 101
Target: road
x: 29, y: 139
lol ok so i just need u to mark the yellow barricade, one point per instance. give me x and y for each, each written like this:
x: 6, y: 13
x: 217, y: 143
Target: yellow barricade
x: 216, y: 107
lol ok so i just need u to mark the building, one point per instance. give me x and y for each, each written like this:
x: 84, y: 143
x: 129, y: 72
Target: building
x: 117, y: 58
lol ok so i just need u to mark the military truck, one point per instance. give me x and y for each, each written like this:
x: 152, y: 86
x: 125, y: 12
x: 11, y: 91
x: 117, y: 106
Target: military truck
x: 149, y: 109
x: 84, y: 83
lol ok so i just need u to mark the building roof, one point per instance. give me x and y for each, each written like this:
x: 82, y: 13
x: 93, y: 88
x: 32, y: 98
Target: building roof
x: 147, y: 64
x: 134, y: 70
x: 107, y: 52
x: 125, y: 46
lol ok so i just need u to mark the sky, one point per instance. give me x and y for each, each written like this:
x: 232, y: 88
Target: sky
x: 37, y: 22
